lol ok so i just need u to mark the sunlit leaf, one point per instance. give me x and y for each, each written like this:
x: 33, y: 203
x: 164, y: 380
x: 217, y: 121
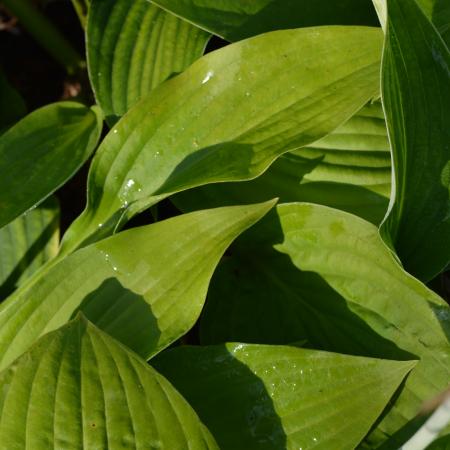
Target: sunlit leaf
x: 316, y: 273
x: 145, y: 286
x: 79, y: 388
x: 27, y: 243
x: 349, y: 169
x: 133, y: 45
x: 227, y: 118
x: 41, y: 152
x: 257, y: 397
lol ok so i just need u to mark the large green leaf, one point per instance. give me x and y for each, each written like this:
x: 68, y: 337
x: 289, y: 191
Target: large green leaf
x: 145, y: 286
x: 235, y: 19
x: 257, y: 397
x: 348, y: 169
x: 315, y: 273
x: 227, y: 118
x: 438, y: 11
x: 132, y: 46
x: 27, y: 243
x: 12, y: 105
x: 78, y: 388
x: 41, y: 152
x: 416, y: 98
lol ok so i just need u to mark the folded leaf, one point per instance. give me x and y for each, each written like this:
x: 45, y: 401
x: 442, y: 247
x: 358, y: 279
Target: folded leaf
x: 132, y: 46
x: 235, y: 20
x: 348, y: 169
x: 227, y: 118
x: 41, y: 152
x: 438, y: 11
x: 145, y: 286
x: 255, y: 397
x: 79, y: 388
x: 27, y: 243
x: 416, y: 98
x: 349, y: 296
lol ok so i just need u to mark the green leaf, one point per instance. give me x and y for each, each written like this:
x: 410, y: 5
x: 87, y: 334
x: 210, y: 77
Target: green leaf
x: 27, y: 243
x: 348, y: 169
x: 145, y: 286
x: 416, y: 98
x: 132, y: 46
x: 438, y: 11
x: 227, y: 118
x: 41, y: 152
x: 272, y: 397
x: 234, y: 20
x: 79, y: 388
x: 12, y: 105
x: 82, y: 8
x: 315, y: 273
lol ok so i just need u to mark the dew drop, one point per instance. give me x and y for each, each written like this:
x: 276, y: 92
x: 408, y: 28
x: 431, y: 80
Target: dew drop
x: 208, y: 76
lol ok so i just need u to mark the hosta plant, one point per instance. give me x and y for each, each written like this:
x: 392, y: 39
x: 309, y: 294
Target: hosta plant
x: 262, y: 258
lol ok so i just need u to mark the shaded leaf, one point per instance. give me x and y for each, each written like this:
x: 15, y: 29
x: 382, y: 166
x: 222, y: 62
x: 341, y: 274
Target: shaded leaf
x: 438, y: 11
x: 234, y: 20
x: 133, y: 45
x: 27, y: 243
x: 145, y: 286
x: 79, y: 388
x: 416, y: 97
x: 347, y: 295
x: 41, y: 152
x: 227, y: 118
x: 273, y: 397
x: 348, y: 169
x: 82, y: 8
x: 12, y: 105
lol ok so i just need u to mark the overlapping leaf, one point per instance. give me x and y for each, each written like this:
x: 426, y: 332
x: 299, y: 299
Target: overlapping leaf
x: 41, y: 152
x: 145, y: 286
x: 132, y: 47
x: 235, y: 20
x: 82, y: 8
x: 257, y: 397
x: 27, y: 243
x: 416, y: 97
x: 350, y: 296
x: 438, y: 11
x: 348, y: 169
x: 227, y: 117
x: 79, y: 388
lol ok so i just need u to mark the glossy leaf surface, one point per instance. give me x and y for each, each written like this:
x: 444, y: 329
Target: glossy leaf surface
x: 145, y: 286
x: 41, y: 152
x: 234, y: 20
x: 348, y: 169
x: 132, y: 47
x: 257, y: 397
x: 315, y: 273
x: 227, y: 118
x: 27, y: 243
x: 418, y: 114
x: 79, y: 388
